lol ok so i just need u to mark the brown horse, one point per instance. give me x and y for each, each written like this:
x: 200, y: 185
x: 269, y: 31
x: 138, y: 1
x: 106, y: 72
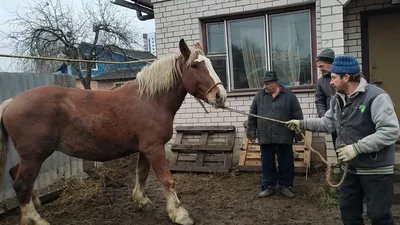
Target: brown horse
x: 106, y: 125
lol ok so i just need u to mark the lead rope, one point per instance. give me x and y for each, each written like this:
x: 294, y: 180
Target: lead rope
x: 330, y: 166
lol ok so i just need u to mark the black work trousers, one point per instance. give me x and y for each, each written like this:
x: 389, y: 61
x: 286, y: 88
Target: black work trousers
x: 378, y: 190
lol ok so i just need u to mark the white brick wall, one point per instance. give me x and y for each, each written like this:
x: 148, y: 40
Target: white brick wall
x: 173, y: 24
x: 330, y: 25
x: 352, y: 25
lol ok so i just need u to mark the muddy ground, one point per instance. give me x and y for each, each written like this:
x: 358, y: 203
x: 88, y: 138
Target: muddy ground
x: 104, y: 199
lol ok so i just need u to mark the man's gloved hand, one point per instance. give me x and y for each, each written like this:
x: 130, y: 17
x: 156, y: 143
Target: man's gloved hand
x: 293, y: 125
x: 346, y: 153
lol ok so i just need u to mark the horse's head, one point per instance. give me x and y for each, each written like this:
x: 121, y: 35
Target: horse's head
x: 199, y: 77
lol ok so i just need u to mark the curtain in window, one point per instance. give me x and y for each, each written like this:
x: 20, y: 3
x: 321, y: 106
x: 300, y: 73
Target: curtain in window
x: 253, y: 62
x: 247, y: 51
x: 286, y: 42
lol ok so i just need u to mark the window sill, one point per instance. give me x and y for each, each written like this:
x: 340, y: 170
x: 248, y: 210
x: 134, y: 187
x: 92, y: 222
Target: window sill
x: 294, y: 89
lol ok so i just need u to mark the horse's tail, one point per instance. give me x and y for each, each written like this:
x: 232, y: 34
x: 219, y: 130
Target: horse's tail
x: 3, y: 138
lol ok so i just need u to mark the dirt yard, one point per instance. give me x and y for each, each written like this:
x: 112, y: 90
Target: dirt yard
x: 211, y: 199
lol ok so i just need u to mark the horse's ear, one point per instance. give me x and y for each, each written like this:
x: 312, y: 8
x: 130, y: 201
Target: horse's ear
x: 184, y: 49
x: 198, y: 46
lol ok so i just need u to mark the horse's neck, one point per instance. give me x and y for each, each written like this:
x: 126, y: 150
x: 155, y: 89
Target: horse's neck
x: 173, y: 99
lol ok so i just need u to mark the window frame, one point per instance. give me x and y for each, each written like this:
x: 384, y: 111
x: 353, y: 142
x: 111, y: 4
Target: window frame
x: 266, y: 14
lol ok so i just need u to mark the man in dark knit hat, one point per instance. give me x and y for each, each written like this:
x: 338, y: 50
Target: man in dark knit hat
x: 324, y: 90
x: 367, y: 126
x: 277, y: 102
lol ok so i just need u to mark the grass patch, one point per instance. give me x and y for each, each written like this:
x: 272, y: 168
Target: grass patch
x: 326, y: 196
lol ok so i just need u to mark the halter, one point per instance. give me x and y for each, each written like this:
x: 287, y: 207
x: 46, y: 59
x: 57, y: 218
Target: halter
x: 211, y: 88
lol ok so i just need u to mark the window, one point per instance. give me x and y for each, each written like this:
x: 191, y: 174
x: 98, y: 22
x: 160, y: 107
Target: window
x: 83, y: 67
x: 216, y: 49
x: 241, y: 50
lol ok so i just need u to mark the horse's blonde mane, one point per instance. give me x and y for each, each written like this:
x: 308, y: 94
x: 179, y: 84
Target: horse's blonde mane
x: 162, y: 74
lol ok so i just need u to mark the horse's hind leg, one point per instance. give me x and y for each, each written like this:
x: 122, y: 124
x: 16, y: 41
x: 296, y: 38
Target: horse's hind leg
x: 23, y: 185
x: 159, y: 163
x: 142, y: 172
x: 13, y: 173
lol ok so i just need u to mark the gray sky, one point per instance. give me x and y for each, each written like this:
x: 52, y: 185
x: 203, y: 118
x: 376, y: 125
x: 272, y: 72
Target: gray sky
x: 7, y: 6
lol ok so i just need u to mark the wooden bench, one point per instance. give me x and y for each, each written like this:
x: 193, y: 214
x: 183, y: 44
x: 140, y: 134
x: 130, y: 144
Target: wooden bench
x: 250, y: 159
x: 203, y: 149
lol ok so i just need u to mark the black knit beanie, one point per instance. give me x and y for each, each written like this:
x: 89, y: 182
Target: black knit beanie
x: 327, y: 55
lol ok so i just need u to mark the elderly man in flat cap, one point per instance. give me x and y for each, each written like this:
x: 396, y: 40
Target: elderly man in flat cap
x: 277, y: 102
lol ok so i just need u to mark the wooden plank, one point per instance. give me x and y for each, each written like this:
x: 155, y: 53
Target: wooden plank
x: 300, y: 155
x: 299, y: 164
x: 253, y: 155
x: 193, y: 148
x: 200, y: 155
x: 242, y: 158
x: 187, y: 158
x: 207, y: 158
x: 253, y: 147
x: 200, y: 129
x: 230, y: 141
x: 252, y: 163
x: 214, y: 158
x: 297, y: 170
x: 298, y: 148
x: 178, y: 140
x: 200, y: 169
x: 245, y: 142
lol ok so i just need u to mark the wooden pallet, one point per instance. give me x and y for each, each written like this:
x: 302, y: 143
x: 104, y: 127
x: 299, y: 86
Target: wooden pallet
x: 211, y: 153
x: 250, y: 159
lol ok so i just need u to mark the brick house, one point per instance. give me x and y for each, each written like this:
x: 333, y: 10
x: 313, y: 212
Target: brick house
x: 284, y: 35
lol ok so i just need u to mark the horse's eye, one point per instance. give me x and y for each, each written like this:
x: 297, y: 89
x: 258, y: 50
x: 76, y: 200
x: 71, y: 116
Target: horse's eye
x: 194, y: 66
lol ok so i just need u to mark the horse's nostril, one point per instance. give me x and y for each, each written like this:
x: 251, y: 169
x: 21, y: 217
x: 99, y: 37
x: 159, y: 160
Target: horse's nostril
x: 218, y: 96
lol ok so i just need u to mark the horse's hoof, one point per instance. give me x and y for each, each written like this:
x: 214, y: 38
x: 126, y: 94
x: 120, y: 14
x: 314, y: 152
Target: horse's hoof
x: 181, y: 216
x: 185, y: 221
x: 42, y: 222
x: 142, y: 202
x: 28, y: 221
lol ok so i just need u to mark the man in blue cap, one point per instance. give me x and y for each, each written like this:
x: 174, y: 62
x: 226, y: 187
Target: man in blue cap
x: 278, y: 102
x: 367, y: 127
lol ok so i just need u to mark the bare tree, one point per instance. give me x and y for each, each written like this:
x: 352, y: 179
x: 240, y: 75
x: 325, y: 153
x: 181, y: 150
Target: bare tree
x: 57, y: 28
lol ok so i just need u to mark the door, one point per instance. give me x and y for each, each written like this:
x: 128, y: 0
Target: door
x: 384, y: 54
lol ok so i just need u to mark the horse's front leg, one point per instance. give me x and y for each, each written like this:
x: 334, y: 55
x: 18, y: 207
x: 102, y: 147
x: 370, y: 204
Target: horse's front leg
x: 158, y: 161
x: 142, y: 172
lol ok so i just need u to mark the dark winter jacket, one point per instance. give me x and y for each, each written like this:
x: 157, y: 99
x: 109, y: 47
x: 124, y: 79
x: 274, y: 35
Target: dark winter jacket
x: 285, y: 106
x: 367, y: 121
x: 323, y: 94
